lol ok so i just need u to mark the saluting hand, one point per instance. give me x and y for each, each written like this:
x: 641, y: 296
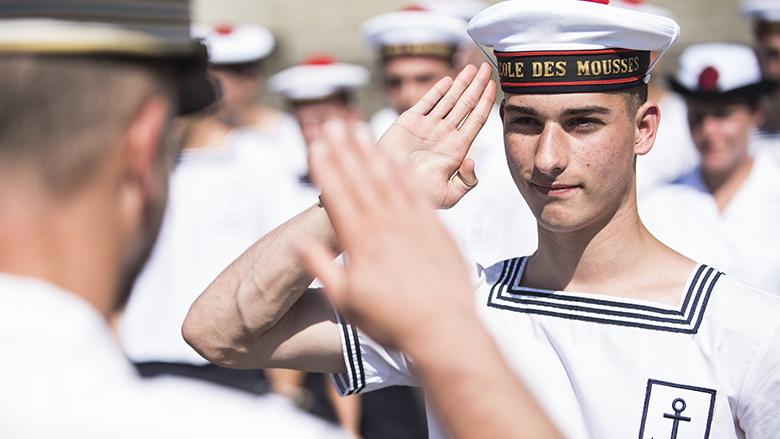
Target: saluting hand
x: 403, y: 271
x: 435, y: 135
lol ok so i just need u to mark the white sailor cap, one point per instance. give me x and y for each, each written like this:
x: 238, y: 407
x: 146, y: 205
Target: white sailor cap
x: 415, y: 31
x: 463, y: 9
x: 642, y: 6
x: 719, y: 70
x: 572, y: 46
x: 239, y: 44
x: 761, y: 10
x: 316, y: 78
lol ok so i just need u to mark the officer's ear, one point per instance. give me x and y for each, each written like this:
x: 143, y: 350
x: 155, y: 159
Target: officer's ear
x: 144, y: 171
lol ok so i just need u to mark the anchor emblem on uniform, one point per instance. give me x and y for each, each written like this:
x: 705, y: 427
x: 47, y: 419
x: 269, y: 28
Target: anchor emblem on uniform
x: 678, y: 406
x: 690, y: 417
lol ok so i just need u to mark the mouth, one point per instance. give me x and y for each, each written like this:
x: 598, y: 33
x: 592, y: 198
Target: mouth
x: 554, y: 190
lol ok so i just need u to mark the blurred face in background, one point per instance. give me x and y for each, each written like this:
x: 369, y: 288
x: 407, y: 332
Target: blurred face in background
x: 408, y: 78
x: 313, y: 115
x: 721, y: 132
x: 239, y: 84
x: 768, y: 51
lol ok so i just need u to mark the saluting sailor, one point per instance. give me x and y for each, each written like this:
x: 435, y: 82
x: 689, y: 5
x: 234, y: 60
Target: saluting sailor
x: 617, y: 335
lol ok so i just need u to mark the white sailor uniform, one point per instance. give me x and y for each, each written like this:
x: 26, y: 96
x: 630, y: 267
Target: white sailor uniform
x: 607, y: 367
x: 742, y: 240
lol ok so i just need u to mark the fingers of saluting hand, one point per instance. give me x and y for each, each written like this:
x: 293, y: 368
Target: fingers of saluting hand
x: 476, y: 120
x: 432, y: 97
x: 470, y: 98
x: 357, y: 179
x: 454, y: 94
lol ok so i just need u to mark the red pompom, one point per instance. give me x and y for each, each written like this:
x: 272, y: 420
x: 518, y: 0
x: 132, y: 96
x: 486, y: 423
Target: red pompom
x: 319, y: 60
x: 603, y: 2
x: 224, y: 29
x: 708, y: 79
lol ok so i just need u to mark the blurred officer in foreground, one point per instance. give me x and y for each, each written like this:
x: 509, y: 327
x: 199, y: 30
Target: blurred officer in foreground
x: 86, y: 146
x: 86, y: 150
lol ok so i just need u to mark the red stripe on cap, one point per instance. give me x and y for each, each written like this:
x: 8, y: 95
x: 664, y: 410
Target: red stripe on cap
x: 558, y: 84
x: 414, y: 8
x: 562, y: 52
x: 224, y: 29
x: 319, y: 60
x: 603, y: 2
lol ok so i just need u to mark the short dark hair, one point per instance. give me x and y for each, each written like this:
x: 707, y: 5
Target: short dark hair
x: 62, y: 114
x: 635, y: 97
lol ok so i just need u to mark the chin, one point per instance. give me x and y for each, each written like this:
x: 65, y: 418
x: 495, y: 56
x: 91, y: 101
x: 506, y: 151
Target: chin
x: 559, y: 220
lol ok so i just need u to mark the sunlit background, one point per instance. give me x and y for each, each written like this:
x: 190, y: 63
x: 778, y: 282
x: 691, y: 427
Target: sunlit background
x: 305, y: 27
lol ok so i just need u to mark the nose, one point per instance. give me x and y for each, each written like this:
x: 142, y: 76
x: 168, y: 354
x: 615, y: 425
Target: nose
x: 552, y: 154
x: 707, y: 126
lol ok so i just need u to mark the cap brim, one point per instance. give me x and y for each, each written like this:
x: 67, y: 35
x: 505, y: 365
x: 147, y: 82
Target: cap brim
x: 197, y: 91
x: 756, y: 89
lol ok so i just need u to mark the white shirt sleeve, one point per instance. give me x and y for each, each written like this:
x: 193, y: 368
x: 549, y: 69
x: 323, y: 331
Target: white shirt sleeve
x: 369, y: 365
x: 759, y: 414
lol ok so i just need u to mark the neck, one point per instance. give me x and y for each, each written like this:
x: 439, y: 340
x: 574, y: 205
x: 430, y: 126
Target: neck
x: 208, y: 132
x: 258, y: 116
x: 606, y: 257
x: 65, y: 243
x: 723, y: 186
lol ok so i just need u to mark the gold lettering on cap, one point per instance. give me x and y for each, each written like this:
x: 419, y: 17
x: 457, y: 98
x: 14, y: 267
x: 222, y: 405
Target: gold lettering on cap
x: 537, y: 69
x: 510, y: 69
x: 595, y: 68
x: 583, y: 68
x: 560, y: 68
x: 548, y: 69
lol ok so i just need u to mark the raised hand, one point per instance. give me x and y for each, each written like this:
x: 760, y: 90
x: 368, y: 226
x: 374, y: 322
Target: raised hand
x: 402, y: 265
x: 435, y: 135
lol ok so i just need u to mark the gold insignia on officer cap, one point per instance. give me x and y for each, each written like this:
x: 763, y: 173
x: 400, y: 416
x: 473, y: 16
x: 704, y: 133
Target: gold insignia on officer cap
x: 572, y: 46
x: 155, y: 30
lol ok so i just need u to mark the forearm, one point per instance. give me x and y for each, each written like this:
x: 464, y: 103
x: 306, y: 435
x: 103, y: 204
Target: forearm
x: 469, y: 382
x: 255, y: 291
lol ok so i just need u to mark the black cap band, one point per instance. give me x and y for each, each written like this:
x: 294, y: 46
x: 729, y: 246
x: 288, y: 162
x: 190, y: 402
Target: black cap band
x: 571, y: 71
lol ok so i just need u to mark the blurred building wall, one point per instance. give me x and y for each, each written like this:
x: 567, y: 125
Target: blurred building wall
x: 304, y: 27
